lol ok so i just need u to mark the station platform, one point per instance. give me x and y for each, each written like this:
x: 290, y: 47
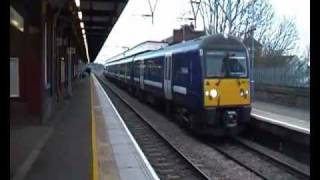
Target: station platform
x: 59, y: 149
x: 284, y: 116
x: 119, y: 155
x: 87, y: 139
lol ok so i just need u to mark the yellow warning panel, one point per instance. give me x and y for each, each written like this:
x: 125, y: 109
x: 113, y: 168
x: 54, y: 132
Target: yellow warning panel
x: 225, y: 92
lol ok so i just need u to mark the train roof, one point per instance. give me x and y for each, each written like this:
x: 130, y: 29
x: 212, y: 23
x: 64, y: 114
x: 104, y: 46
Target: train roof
x: 184, y: 46
x: 218, y: 42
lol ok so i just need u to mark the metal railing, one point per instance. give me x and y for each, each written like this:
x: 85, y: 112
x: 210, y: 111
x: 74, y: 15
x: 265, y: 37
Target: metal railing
x: 290, y: 76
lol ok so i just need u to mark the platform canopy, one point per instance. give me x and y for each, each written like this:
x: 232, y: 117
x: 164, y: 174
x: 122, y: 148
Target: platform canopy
x: 99, y: 16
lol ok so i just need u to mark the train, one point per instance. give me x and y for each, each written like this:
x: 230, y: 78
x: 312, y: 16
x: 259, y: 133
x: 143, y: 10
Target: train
x: 204, y: 83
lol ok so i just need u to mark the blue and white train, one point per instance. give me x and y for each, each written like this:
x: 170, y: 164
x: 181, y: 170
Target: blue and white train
x: 203, y: 82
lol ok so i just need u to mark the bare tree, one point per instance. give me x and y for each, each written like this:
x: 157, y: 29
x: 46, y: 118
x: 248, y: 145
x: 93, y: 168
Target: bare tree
x: 242, y: 16
x: 306, y: 53
x: 281, y: 39
x: 216, y: 19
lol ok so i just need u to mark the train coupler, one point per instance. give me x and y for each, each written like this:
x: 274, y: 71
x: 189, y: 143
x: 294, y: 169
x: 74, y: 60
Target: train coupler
x: 230, y: 119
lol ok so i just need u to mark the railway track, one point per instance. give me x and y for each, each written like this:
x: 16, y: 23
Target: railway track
x: 259, y: 162
x: 288, y: 163
x: 168, y: 162
x: 241, y: 151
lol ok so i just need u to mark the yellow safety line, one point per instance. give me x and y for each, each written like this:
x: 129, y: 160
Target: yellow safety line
x: 95, y: 172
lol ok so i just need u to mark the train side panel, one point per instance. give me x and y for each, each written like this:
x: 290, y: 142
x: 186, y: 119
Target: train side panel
x: 153, y: 76
x: 186, y: 78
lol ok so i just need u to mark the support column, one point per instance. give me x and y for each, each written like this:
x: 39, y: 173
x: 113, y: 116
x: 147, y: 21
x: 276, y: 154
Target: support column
x: 69, y: 72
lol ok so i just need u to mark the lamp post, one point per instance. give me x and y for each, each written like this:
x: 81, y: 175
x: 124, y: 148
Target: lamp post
x: 229, y: 16
x: 195, y: 12
x: 253, y: 28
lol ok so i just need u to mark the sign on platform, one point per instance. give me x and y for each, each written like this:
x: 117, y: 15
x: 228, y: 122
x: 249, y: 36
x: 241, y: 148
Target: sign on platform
x: 59, y: 41
x: 63, y: 72
x: 71, y: 50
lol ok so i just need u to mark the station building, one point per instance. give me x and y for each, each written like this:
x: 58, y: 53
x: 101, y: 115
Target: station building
x: 50, y: 43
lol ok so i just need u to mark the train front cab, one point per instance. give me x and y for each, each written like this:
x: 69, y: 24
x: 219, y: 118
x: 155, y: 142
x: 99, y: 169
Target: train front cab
x: 226, y: 92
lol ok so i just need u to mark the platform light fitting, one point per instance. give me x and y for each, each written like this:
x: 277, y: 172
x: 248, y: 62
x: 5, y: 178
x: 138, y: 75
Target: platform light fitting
x: 14, y: 22
x: 82, y: 25
x: 77, y: 3
x: 80, y: 15
x: 83, y: 31
x: 16, y: 19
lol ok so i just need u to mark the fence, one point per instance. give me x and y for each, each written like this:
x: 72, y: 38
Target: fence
x: 290, y: 76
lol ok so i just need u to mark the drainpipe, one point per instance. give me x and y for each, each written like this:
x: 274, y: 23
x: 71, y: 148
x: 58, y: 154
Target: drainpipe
x: 43, y: 83
x: 54, y: 55
x: 69, y: 70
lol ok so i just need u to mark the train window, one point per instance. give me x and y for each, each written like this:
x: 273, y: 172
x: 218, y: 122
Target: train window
x: 214, y: 65
x: 154, y: 69
x: 228, y: 65
x: 170, y: 67
x: 181, y: 70
x: 136, y: 68
x: 184, y: 70
x: 237, y: 66
x: 147, y: 70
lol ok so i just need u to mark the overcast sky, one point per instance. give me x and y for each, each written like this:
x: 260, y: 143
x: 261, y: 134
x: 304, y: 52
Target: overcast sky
x: 131, y: 28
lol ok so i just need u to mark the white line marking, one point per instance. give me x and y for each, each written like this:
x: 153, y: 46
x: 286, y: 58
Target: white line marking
x: 153, y: 173
x: 180, y: 89
x: 153, y: 83
x: 27, y: 164
x: 277, y: 122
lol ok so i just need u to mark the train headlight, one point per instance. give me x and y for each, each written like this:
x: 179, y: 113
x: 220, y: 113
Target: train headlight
x: 244, y: 93
x: 207, y: 93
x: 213, y: 93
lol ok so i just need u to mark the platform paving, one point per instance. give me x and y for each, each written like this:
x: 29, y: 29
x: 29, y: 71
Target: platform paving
x: 25, y: 141
x: 67, y: 154
x: 130, y: 162
x: 289, y: 117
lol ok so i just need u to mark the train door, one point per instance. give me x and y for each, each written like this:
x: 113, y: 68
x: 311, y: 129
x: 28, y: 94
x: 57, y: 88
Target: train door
x: 126, y: 72
x: 168, y: 76
x: 141, y: 74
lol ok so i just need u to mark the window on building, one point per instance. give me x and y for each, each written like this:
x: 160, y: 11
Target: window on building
x: 14, y: 77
